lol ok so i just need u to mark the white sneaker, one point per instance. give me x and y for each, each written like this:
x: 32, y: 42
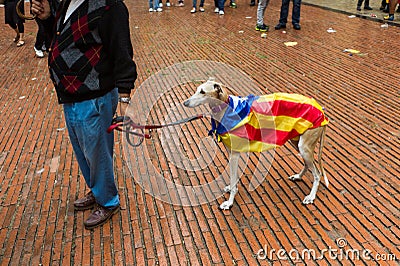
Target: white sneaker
x: 151, y: 9
x: 39, y: 53
x: 160, y: 5
x: 168, y: 4
x: 216, y: 10
x: 159, y: 9
x: 181, y: 4
x: 193, y: 10
x: 201, y: 9
x: 221, y: 12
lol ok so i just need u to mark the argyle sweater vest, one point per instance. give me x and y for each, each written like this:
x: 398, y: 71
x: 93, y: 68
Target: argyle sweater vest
x: 75, y: 52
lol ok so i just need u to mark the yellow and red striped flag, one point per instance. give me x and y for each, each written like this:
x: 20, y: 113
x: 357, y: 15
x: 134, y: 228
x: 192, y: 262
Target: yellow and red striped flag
x: 260, y: 123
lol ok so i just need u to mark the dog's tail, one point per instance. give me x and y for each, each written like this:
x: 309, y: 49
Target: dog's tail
x: 321, y: 146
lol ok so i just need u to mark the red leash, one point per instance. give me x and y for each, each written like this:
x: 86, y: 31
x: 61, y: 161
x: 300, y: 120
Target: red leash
x: 132, y: 129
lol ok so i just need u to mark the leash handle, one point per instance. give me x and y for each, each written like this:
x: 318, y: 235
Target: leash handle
x: 119, y: 122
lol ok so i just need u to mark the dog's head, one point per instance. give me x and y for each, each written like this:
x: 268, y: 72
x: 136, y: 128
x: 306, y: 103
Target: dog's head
x: 210, y: 92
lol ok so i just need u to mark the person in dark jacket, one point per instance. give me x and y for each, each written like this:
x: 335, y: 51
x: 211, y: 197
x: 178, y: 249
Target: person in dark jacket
x: 91, y: 66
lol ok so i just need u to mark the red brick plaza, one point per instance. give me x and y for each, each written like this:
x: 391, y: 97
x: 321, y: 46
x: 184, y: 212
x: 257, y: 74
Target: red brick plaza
x: 357, y: 216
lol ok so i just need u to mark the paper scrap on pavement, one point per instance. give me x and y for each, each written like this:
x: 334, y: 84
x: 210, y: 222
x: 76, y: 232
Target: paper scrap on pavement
x: 289, y: 44
x: 40, y: 171
x: 351, y: 51
x: 330, y: 30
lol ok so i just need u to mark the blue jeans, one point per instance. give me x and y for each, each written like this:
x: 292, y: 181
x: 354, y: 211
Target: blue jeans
x: 295, y: 11
x: 195, y: 3
x: 154, y: 4
x: 220, y: 4
x: 87, y: 124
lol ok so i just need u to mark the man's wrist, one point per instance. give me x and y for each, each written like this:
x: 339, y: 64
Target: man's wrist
x: 124, y: 98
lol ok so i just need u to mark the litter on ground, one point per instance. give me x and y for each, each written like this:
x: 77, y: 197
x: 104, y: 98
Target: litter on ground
x: 289, y: 44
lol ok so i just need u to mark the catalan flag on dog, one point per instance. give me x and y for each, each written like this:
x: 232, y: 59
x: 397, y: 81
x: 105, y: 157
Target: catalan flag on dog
x: 260, y: 123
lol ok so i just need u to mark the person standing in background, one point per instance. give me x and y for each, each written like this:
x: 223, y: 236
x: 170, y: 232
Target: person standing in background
x: 260, y: 26
x: 285, y: 12
x: 366, y: 5
x: 201, y: 7
x: 392, y: 7
x: 14, y: 21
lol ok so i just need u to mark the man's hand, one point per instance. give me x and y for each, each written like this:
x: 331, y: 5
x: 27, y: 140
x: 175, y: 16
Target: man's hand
x: 124, y: 100
x: 41, y: 8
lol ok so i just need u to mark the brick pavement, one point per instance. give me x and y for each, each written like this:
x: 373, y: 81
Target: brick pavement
x: 39, y: 178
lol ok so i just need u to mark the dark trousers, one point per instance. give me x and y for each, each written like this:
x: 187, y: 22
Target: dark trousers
x: 361, y: 1
x: 295, y: 11
x: 41, y: 36
x: 195, y: 3
x: 220, y: 4
x: 11, y: 17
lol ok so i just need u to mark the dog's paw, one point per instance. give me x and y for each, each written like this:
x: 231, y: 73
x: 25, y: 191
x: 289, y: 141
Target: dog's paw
x: 295, y: 177
x: 308, y: 199
x: 226, y: 205
x: 227, y: 189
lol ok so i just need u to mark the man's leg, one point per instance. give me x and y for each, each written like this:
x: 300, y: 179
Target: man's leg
x: 296, y: 12
x: 262, y: 5
x: 284, y: 12
x: 87, y: 124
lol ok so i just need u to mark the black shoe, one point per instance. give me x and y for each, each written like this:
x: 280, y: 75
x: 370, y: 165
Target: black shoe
x: 280, y: 26
x: 359, y: 8
x: 262, y: 28
x: 296, y: 26
x: 253, y: 3
x: 368, y: 8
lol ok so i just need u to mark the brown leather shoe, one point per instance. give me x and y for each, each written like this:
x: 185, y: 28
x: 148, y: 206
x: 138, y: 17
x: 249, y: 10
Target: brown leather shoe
x: 99, y: 216
x: 85, y: 203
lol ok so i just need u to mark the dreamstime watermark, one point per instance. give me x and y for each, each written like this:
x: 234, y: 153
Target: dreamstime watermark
x: 340, y: 253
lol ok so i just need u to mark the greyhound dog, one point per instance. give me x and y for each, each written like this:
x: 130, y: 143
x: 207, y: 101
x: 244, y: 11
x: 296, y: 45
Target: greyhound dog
x: 222, y: 105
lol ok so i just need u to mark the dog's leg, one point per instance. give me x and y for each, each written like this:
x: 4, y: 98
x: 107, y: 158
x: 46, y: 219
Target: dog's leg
x: 306, y: 148
x: 232, y: 188
x: 298, y: 176
x: 295, y: 144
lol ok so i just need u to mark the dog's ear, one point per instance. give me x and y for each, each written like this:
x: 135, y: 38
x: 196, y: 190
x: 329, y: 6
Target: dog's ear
x: 218, y: 88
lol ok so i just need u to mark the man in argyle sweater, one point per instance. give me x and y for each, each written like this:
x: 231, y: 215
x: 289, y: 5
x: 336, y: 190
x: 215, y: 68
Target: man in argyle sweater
x: 90, y: 63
